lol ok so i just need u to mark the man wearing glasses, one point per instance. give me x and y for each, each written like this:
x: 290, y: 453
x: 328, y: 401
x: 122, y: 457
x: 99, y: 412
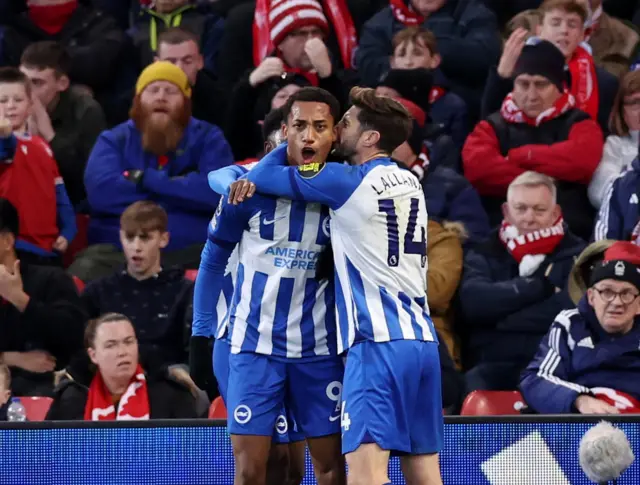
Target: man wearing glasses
x: 589, y: 362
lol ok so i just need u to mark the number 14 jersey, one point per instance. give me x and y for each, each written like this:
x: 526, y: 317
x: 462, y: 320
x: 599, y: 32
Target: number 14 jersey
x: 378, y: 234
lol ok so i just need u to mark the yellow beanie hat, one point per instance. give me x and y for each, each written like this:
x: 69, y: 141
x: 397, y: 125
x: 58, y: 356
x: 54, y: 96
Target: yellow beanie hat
x: 163, y: 71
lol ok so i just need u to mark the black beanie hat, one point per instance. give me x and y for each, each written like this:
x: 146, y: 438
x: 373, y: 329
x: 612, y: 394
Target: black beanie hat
x: 616, y: 270
x: 542, y: 58
x: 412, y: 84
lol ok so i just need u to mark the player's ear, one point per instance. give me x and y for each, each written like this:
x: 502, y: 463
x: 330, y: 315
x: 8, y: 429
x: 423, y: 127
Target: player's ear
x: 372, y: 138
x: 284, y: 130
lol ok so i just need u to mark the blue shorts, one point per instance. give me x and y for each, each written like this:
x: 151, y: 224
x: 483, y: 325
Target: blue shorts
x: 285, y: 430
x: 392, y: 397
x: 259, y: 386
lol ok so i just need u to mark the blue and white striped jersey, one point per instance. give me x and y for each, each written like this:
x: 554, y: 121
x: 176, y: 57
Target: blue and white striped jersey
x: 378, y: 234
x: 278, y: 306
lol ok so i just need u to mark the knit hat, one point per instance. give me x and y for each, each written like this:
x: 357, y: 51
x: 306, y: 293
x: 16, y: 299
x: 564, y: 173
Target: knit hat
x: 285, y: 16
x: 623, y: 250
x: 163, y: 71
x: 412, y: 84
x: 542, y: 58
x: 618, y: 270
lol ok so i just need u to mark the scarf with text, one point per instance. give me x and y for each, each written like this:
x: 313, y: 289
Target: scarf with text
x: 133, y: 406
x: 404, y: 14
x: 540, y: 242
x: 338, y: 15
x: 513, y: 114
x: 625, y: 403
x: 584, y: 83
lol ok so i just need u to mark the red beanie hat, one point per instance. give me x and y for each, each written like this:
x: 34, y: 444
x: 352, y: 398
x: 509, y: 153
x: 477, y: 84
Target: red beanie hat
x: 624, y: 251
x: 285, y: 16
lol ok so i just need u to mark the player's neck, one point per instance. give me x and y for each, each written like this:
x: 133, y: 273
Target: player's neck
x: 369, y: 155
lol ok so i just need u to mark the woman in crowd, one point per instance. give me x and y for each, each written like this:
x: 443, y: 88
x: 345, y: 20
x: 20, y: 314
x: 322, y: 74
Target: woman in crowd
x: 119, y: 389
x: 621, y: 146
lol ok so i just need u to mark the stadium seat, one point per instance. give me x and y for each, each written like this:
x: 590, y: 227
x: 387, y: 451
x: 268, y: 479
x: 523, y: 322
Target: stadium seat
x: 191, y: 274
x: 79, y: 242
x: 492, y: 403
x: 217, y: 409
x: 36, y: 407
x: 79, y: 284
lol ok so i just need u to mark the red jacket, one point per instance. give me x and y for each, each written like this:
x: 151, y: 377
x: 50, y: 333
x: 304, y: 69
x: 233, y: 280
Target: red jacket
x: 572, y: 160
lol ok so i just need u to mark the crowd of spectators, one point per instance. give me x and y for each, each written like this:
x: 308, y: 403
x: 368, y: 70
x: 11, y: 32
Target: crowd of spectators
x: 526, y: 117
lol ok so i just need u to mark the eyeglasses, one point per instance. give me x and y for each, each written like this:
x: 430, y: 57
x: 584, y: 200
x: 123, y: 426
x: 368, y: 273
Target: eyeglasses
x: 626, y: 296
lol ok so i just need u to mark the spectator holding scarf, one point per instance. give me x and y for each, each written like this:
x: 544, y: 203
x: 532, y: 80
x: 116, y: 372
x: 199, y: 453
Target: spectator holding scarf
x: 120, y: 389
x: 537, y: 128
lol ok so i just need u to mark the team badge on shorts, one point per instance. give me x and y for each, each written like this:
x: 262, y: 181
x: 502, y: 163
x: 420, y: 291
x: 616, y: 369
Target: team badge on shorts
x: 242, y: 414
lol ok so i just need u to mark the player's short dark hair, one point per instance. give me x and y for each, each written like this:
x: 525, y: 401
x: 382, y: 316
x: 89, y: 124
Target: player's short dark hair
x: 13, y: 75
x: 384, y: 115
x: 47, y: 54
x: 9, y: 220
x: 312, y: 94
x: 144, y: 216
x: 177, y: 35
x: 272, y: 122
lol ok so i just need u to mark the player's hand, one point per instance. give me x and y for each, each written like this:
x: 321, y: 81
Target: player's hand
x: 240, y: 190
x: 268, y: 68
x: 512, y: 50
x: 590, y: 405
x: 61, y: 244
x: 318, y: 54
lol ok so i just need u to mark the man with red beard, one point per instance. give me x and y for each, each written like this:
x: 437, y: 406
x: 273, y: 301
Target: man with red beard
x: 161, y: 154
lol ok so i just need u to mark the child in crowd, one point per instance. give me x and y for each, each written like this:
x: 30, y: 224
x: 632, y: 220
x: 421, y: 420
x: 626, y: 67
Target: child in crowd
x: 5, y: 390
x: 415, y: 47
x: 29, y: 177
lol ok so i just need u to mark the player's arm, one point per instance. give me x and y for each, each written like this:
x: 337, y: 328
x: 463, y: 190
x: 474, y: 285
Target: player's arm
x: 221, y: 179
x: 224, y: 232
x: 327, y: 183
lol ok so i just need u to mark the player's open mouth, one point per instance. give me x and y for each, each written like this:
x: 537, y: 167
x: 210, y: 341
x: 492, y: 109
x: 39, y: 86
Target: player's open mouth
x: 308, y: 154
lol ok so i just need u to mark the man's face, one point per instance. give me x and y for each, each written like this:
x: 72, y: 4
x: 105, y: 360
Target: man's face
x: 349, y: 134
x: 412, y: 55
x: 310, y: 132
x: 283, y: 95
x: 427, y: 7
x: 168, y: 6
x: 185, y: 55
x: 274, y: 139
x: 46, y: 84
x: 534, y: 94
x: 161, y: 99
x: 15, y: 104
x: 530, y: 208
x: 142, y: 251
x: 615, y: 316
x: 292, y: 47
x: 565, y: 30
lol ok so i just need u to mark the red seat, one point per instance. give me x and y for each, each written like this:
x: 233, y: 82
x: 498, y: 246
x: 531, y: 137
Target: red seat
x: 79, y: 242
x: 191, y: 274
x: 79, y: 284
x: 492, y: 403
x: 36, y: 407
x: 218, y: 409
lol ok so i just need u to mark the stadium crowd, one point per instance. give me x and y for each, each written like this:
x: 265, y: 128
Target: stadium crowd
x: 525, y: 116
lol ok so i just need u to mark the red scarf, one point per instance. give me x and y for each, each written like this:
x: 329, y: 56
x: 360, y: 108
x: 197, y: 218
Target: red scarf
x: 338, y: 15
x: 405, y: 14
x: 584, y: 84
x: 543, y: 241
x: 312, y: 77
x: 52, y: 18
x: 625, y: 403
x: 512, y: 114
x: 420, y: 164
x: 134, y: 403
x: 436, y: 93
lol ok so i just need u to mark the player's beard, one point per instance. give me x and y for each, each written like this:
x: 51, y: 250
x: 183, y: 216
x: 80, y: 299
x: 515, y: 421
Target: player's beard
x: 344, y: 151
x: 160, y: 134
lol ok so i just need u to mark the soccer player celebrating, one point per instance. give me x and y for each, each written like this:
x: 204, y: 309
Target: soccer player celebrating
x: 391, y: 396
x: 282, y: 328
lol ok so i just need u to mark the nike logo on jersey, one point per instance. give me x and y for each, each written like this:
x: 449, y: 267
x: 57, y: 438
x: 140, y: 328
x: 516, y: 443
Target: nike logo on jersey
x: 268, y: 222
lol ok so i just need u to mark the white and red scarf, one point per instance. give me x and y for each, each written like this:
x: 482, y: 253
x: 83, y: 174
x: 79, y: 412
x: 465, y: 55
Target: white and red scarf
x: 133, y: 406
x: 338, y: 15
x: 625, y: 403
x: 530, y: 250
x: 404, y: 14
x: 513, y: 114
x: 584, y: 83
